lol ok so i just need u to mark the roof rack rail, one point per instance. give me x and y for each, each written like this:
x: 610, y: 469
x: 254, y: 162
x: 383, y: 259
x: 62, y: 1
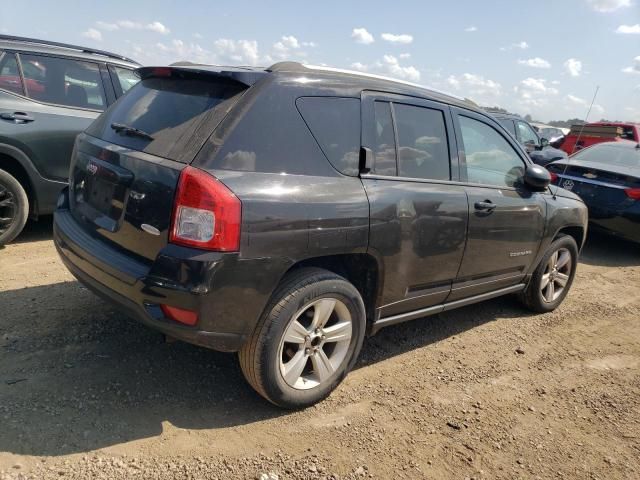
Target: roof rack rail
x: 297, y: 66
x: 12, y: 38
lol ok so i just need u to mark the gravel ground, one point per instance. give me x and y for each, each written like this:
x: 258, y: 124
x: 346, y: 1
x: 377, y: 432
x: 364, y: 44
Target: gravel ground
x: 489, y: 391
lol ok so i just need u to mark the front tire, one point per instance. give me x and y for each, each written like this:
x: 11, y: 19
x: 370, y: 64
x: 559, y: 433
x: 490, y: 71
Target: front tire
x: 552, y: 279
x: 14, y: 208
x: 307, y: 339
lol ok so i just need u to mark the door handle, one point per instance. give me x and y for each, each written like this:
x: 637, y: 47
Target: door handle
x: 487, y: 205
x: 17, y: 117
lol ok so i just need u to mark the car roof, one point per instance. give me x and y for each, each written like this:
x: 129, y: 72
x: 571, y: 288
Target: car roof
x: 368, y: 81
x: 512, y: 116
x: 46, y: 47
x: 347, y: 79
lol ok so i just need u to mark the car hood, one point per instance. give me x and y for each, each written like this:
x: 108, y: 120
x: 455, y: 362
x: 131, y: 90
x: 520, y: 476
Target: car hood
x: 558, y: 191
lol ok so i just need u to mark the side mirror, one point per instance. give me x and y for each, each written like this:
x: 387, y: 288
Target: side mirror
x: 544, y: 142
x: 537, y: 178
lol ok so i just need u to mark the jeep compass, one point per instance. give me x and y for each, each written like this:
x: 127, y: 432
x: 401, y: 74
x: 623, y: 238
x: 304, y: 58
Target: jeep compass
x: 286, y: 213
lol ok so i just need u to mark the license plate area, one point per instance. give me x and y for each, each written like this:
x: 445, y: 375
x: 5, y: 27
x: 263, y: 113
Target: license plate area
x: 100, y: 190
x: 100, y: 195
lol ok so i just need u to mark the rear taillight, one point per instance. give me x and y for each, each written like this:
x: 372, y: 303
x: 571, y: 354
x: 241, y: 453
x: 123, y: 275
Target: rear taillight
x: 554, y: 176
x: 633, y: 193
x: 206, y: 214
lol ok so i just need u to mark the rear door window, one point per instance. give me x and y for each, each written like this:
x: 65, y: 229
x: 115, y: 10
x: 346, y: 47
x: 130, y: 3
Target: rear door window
x: 335, y: 124
x: 9, y: 74
x: 384, y: 149
x: 175, y: 114
x: 62, y: 81
x: 423, y: 150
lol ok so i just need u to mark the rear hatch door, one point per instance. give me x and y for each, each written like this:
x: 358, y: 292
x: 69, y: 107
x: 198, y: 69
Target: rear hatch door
x: 125, y: 168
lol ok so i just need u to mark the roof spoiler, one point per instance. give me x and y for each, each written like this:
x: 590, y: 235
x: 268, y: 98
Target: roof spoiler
x: 245, y: 77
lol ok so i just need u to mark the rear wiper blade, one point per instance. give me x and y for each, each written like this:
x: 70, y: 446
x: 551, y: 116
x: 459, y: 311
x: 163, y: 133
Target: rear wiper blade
x: 127, y: 130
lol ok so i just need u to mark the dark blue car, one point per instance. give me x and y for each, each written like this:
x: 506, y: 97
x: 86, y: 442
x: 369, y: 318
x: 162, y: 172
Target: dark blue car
x: 607, y: 178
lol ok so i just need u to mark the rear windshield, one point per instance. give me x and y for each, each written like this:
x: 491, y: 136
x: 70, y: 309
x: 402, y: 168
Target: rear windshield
x: 177, y: 115
x: 610, y: 154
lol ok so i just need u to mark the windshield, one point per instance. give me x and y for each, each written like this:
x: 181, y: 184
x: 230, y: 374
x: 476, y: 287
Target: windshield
x: 611, y: 154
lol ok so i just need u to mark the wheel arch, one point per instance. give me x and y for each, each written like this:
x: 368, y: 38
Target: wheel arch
x: 361, y: 269
x: 578, y: 233
x: 17, y: 164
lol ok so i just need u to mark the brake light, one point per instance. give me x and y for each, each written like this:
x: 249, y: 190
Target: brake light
x: 161, y: 72
x: 554, y: 176
x: 633, y: 193
x: 206, y: 214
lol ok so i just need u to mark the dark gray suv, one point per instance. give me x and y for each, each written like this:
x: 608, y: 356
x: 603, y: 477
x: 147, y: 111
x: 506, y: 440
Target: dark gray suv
x: 285, y: 213
x: 49, y: 92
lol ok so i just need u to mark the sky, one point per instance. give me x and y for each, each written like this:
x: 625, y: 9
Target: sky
x: 539, y: 57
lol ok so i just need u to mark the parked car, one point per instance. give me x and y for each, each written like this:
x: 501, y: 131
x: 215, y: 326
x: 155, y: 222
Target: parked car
x: 284, y: 213
x: 49, y: 92
x: 607, y: 177
x: 583, y: 136
x: 555, y: 135
x: 539, y: 149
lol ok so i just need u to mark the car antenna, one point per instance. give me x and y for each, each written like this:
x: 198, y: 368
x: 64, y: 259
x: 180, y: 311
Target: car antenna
x: 575, y: 144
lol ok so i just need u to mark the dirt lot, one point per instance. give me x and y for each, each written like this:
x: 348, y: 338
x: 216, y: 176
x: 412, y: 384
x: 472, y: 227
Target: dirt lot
x: 87, y: 393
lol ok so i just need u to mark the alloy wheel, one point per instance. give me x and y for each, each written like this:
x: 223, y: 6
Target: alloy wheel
x: 8, y: 209
x: 556, y: 275
x: 315, y: 343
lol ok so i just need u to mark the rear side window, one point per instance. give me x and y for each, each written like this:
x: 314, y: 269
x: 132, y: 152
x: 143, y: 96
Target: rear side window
x: 176, y: 114
x: 423, y: 151
x: 61, y: 81
x: 335, y: 124
x: 265, y: 134
x: 9, y: 74
x: 384, y: 150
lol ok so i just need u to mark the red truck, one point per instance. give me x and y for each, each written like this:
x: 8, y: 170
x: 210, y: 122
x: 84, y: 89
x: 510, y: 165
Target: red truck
x: 582, y: 136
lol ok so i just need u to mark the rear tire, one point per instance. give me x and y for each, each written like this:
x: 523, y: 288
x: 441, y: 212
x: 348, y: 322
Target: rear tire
x: 307, y: 340
x: 552, y: 279
x: 14, y: 208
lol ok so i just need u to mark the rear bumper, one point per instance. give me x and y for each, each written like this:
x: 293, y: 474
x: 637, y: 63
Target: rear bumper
x: 621, y: 223
x: 215, y: 285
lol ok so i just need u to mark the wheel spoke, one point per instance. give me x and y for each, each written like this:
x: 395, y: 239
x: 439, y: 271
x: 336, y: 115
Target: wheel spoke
x: 339, y: 332
x: 296, y: 333
x: 545, y: 281
x: 561, y: 279
x: 6, y: 202
x: 322, y: 311
x: 551, y: 290
x: 553, y: 260
x: 321, y: 365
x: 564, y: 259
x: 294, y: 367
